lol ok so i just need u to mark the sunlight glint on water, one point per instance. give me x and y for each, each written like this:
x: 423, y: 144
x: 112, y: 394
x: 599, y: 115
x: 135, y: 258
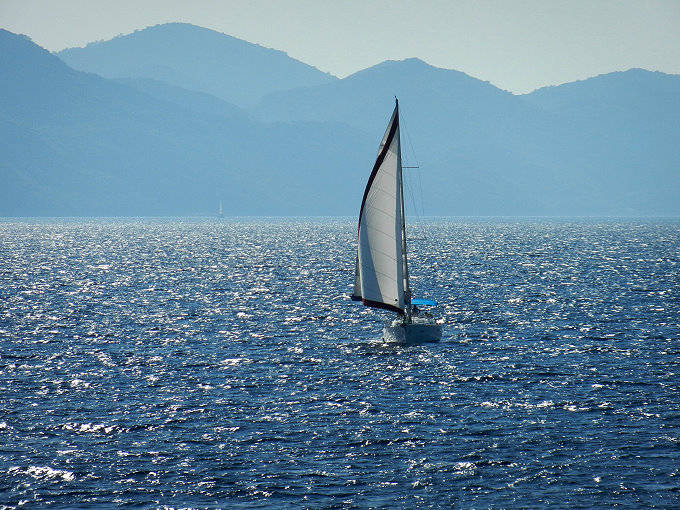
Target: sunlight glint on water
x: 220, y: 364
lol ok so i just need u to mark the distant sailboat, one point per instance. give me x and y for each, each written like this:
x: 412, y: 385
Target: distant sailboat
x: 381, y: 277
x: 220, y: 213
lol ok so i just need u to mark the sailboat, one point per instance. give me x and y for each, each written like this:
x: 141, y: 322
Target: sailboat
x: 381, y: 276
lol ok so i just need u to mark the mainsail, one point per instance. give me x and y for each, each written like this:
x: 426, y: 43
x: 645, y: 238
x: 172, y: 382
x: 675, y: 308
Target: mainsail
x: 381, y: 278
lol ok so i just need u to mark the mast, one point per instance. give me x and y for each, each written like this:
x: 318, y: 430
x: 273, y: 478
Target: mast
x: 400, y: 178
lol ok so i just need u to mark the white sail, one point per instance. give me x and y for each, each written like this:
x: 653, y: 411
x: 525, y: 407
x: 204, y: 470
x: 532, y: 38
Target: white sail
x: 381, y: 275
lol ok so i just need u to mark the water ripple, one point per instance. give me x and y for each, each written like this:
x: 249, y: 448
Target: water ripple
x: 219, y: 364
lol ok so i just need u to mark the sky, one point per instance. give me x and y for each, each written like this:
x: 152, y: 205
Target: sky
x: 517, y: 45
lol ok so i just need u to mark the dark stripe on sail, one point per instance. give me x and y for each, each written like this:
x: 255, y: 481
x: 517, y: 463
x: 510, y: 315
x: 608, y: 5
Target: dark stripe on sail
x: 381, y: 158
x: 384, y: 306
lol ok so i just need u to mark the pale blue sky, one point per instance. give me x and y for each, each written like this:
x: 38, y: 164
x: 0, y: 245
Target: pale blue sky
x: 518, y: 45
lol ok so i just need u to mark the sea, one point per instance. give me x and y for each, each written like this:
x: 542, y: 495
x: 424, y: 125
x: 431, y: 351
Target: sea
x: 219, y: 363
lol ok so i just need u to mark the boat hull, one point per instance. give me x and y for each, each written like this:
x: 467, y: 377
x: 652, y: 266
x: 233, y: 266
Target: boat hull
x: 412, y: 333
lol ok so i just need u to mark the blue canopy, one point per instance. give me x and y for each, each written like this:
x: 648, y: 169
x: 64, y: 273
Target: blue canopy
x: 424, y: 302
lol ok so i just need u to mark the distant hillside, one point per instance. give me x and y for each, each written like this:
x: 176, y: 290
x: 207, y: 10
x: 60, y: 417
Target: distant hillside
x: 78, y: 144
x: 636, y: 107
x: 607, y: 145
x: 362, y: 98
x: 632, y: 122
x: 75, y: 143
x: 197, y: 59
x: 198, y: 102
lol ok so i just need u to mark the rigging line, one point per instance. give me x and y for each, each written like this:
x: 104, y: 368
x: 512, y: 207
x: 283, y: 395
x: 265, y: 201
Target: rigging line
x: 422, y: 201
x: 404, y: 126
x: 412, y: 197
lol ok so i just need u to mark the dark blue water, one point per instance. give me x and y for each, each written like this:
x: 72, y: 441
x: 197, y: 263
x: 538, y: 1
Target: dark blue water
x: 219, y: 364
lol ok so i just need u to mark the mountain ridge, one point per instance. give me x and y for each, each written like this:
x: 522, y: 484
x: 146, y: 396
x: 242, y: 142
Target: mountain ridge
x: 80, y: 144
x: 85, y: 145
x: 195, y: 58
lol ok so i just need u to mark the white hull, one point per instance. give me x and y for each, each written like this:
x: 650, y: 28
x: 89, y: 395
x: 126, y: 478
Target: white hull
x: 419, y: 331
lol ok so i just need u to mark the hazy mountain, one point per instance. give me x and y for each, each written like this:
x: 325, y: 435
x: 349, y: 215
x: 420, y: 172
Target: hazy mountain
x: 198, y: 102
x: 197, y: 59
x: 632, y: 124
x: 363, y: 98
x: 606, y: 147
x: 78, y: 144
